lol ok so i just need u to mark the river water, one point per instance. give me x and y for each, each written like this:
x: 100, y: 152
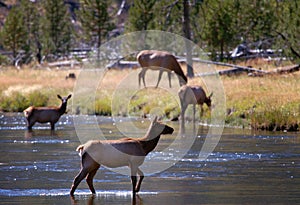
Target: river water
x: 245, y: 168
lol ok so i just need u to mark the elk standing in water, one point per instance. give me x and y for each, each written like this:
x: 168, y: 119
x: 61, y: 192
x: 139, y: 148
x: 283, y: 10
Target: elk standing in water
x: 118, y: 153
x: 193, y: 95
x: 46, y: 114
x: 162, y: 61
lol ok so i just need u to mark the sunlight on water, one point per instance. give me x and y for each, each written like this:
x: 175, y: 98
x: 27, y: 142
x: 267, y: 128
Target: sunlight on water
x: 41, y: 141
x: 66, y: 192
x: 38, y: 167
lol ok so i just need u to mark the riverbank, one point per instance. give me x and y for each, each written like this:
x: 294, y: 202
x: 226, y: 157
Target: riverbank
x: 269, y: 103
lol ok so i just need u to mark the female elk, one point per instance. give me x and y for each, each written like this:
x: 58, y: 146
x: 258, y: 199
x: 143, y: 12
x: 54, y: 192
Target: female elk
x: 193, y: 95
x: 117, y: 153
x: 46, y: 114
x: 162, y: 61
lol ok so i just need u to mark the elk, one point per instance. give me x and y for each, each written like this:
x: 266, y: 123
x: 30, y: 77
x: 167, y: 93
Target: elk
x: 46, y: 114
x: 118, y: 153
x: 193, y: 95
x: 162, y: 61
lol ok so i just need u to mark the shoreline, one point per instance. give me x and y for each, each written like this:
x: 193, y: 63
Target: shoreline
x: 110, y: 119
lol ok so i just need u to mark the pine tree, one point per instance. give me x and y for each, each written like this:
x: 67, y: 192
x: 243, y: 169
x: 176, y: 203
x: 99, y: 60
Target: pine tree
x: 288, y: 29
x: 141, y: 15
x: 217, y: 28
x: 57, y: 28
x: 168, y: 16
x: 31, y: 19
x: 13, y: 34
x: 257, y: 20
x: 95, y: 21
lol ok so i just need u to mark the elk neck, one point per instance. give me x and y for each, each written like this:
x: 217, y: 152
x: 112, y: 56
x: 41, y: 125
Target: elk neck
x: 150, y: 140
x: 62, y: 108
x: 149, y: 144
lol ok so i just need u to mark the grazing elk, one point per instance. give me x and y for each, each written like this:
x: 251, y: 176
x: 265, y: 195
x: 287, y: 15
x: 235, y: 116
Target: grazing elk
x: 162, y: 61
x: 193, y: 95
x: 118, y: 153
x: 46, y: 114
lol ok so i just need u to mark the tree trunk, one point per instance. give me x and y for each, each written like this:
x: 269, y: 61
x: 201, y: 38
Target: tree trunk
x: 187, y: 34
x: 98, y: 44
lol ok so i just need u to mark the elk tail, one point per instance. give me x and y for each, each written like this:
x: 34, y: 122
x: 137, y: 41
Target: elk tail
x: 80, y: 150
x: 27, y: 112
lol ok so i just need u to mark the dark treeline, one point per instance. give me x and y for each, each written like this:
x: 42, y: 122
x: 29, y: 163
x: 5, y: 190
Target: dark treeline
x: 46, y: 30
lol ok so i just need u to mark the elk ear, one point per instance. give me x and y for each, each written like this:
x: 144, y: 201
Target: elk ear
x: 59, y: 97
x: 69, y: 96
x: 210, y: 95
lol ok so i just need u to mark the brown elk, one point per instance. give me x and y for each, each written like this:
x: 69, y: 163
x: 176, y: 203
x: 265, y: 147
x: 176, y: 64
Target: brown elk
x: 162, y: 61
x: 118, y: 153
x: 193, y: 95
x: 46, y: 114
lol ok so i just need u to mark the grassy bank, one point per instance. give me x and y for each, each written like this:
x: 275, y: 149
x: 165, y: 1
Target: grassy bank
x: 21, y: 88
x: 269, y: 102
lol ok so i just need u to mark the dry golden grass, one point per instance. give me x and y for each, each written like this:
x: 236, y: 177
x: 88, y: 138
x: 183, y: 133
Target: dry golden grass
x: 24, y: 84
x: 261, y: 93
x: 276, y: 90
x: 248, y: 99
x: 35, y: 79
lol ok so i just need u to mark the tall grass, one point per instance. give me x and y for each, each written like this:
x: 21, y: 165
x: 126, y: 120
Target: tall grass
x: 17, y: 102
x: 22, y: 88
x: 277, y: 118
x: 269, y: 102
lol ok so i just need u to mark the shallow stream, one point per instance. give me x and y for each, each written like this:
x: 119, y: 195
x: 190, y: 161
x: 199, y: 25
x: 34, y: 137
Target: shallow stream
x: 246, y: 167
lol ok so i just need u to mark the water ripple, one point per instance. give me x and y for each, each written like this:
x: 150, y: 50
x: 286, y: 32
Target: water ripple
x: 65, y: 192
x: 40, y: 141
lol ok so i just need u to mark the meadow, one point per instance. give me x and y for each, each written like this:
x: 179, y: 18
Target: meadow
x: 271, y: 102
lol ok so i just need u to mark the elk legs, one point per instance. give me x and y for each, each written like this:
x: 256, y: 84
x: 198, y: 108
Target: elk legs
x: 88, y: 170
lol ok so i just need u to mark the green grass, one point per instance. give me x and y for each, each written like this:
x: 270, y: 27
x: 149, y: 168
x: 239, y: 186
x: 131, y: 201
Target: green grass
x: 17, y: 102
x: 277, y: 118
x: 103, y: 107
